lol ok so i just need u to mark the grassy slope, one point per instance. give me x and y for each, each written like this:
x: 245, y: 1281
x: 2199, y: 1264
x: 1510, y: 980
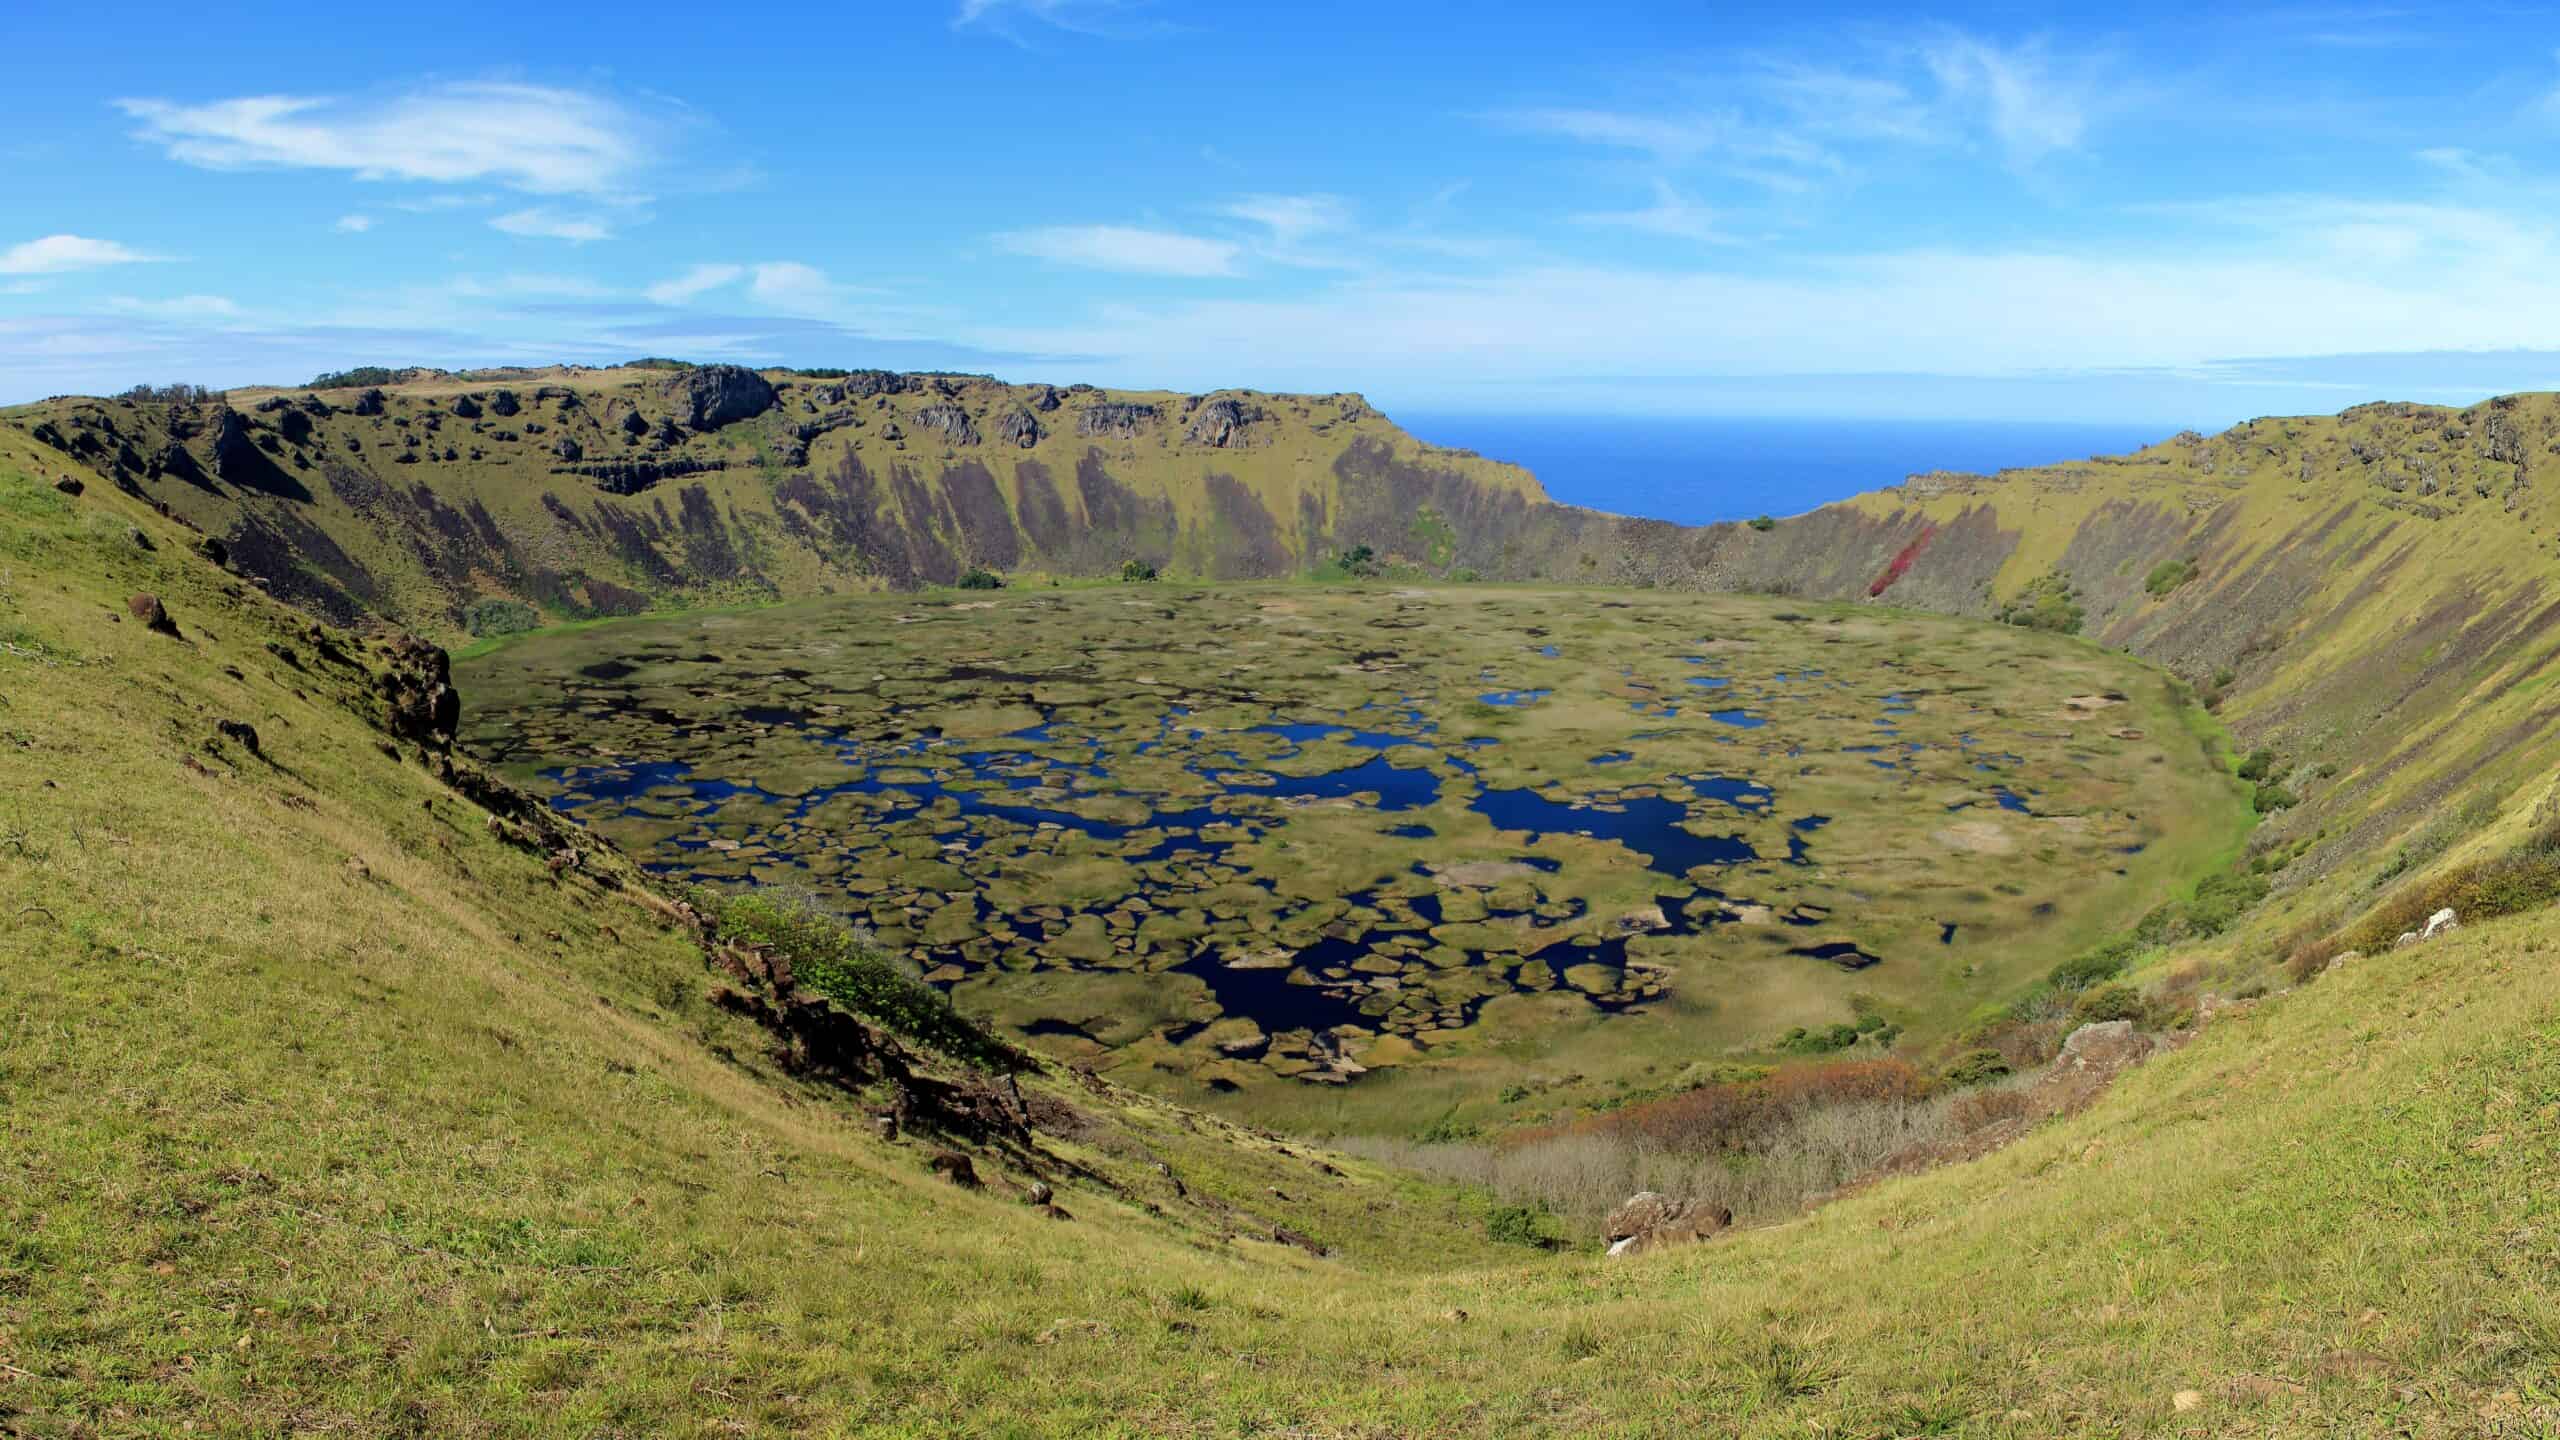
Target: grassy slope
x: 284, y: 1148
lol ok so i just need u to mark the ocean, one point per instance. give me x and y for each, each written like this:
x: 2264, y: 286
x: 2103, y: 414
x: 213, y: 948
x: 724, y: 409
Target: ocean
x: 1696, y: 471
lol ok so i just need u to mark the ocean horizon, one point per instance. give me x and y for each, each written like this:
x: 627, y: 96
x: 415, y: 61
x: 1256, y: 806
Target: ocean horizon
x: 1698, y: 470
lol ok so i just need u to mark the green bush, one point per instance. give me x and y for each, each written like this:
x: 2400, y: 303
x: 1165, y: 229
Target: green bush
x: 1975, y: 1067
x: 2046, y: 603
x: 2096, y: 967
x: 1449, y: 1130
x: 2256, y: 766
x: 1137, y: 572
x: 2168, y: 575
x: 828, y: 956
x: 2223, y: 677
x: 1359, y: 562
x: 2109, y: 1002
x: 2271, y: 797
x: 1763, y: 522
x: 1519, y: 1225
x: 484, y: 618
x: 981, y: 578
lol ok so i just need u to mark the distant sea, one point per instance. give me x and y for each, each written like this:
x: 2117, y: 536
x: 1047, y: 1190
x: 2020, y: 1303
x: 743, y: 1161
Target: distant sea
x: 1696, y: 471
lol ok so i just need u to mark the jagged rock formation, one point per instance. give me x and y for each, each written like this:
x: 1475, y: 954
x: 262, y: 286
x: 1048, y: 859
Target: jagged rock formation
x: 715, y: 395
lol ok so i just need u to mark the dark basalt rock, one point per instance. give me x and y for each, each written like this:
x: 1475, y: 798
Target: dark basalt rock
x: 950, y: 422
x: 1045, y: 399
x: 711, y: 396
x: 633, y: 425
x: 153, y: 615
x: 1016, y: 427
x: 294, y: 426
x: 70, y: 485
x: 232, y: 447
x: 568, y: 449
x: 369, y: 403
x: 503, y: 403
x: 465, y: 408
x: 1115, y: 419
x: 863, y: 384
x: 239, y: 732
x: 630, y: 477
x: 418, y: 697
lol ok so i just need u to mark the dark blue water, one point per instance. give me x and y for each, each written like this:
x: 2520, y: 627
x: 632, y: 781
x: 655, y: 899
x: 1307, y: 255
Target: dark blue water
x: 1699, y: 470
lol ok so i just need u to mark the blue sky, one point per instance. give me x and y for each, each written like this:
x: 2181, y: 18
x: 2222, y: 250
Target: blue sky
x: 2189, y: 214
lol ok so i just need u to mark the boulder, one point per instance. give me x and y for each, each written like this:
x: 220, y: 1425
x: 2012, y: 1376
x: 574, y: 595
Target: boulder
x: 70, y: 486
x: 369, y: 403
x: 504, y: 402
x: 955, y: 1167
x: 568, y: 449
x: 153, y: 615
x: 1045, y: 399
x: 1650, y: 1220
x: 2440, y: 923
x: 240, y: 733
x: 465, y: 408
x: 710, y: 396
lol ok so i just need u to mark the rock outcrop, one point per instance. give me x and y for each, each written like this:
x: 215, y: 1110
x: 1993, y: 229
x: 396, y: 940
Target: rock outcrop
x: 950, y: 422
x: 1117, y: 420
x: 1650, y: 1220
x: 1220, y: 423
x: 418, y: 697
x: 711, y: 396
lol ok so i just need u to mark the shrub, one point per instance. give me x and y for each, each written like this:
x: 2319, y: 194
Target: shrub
x: 2524, y: 879
x: 2223, y: 677
x: 1763, y: 523
x: 2168, y: 575
x: 1359, y: 562
x: 1519, y: 1225
x: 1975, y: 1067
x: 2109, y: 1002
x: 2271, y: 797
x: 981, y: 578
x: 2095, y: 967
x: 485, y: 618
x: 2047, y: 603
x: 1449, y: 1130
x: 835, y: 960
x: 1137, y: 572
x: 374, y: 375
x: 2258, y: 763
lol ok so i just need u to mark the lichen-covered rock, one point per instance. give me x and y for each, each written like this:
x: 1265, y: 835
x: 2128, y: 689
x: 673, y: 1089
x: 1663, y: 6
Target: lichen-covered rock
x: 710, y: 396
x: 1220, y: 423
x: 1016, y: 427
x: 1649, y: 1220
x: 950, y: 422
x: 1113, y: 419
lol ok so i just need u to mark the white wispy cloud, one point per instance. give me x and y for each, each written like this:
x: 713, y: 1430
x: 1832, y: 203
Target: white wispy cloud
x: 1015, y: 21
x: 1671, y: 214
x: 177, y: 307
x: 57, y: 254
x: 696, y: 280
x: 546, y: 224
x: 2031, y: 105
x: 791, y: 285
x: 353, y: 224
x: 1127, y: 249
x: 536, y: 138
x: 1290, y: 217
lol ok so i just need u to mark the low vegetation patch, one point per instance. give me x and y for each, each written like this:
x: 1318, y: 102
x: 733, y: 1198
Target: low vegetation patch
x: 2047, y: 603
x: 2168, y: 575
